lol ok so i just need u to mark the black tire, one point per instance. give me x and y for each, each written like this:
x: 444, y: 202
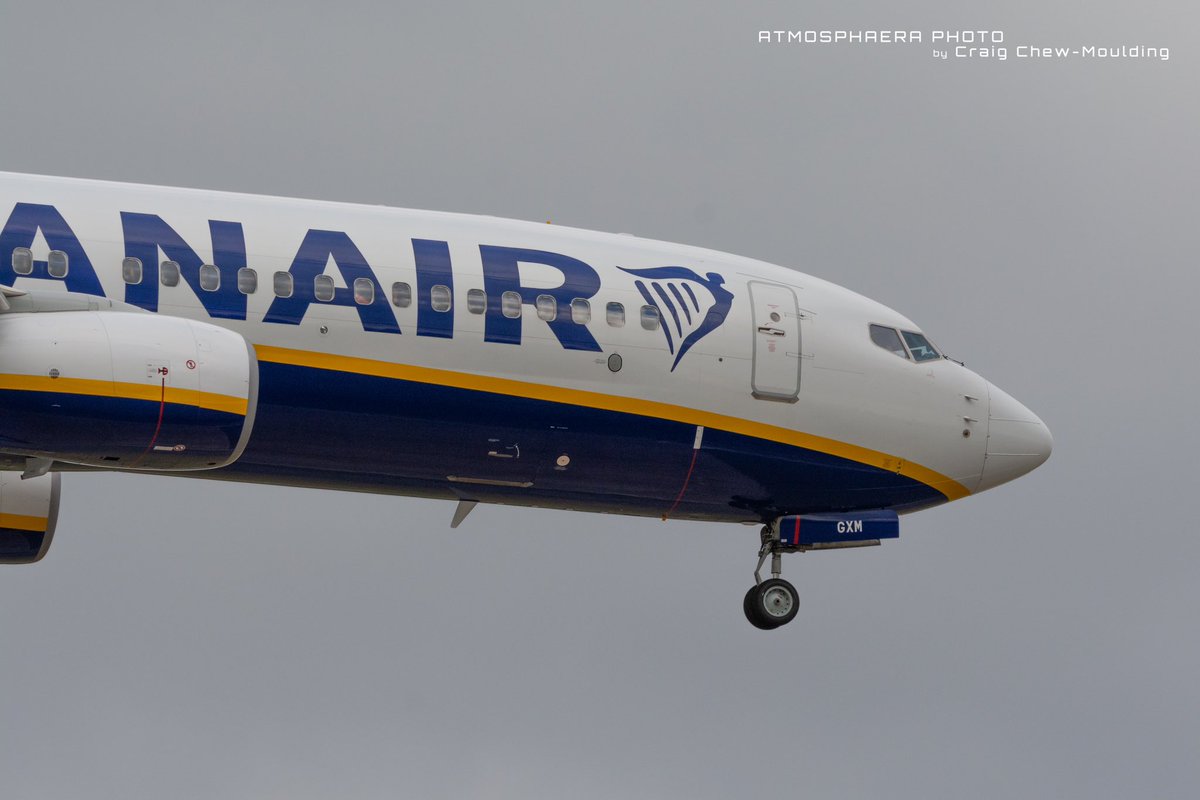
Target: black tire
x: 776, y: 602
x: 752, y: 606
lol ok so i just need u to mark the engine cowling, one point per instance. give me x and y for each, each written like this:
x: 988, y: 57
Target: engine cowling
x: 28, y: 514
x: 124, y: 390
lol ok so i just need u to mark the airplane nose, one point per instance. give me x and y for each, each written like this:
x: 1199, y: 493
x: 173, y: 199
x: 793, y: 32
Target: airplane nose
x: 1017, y: 442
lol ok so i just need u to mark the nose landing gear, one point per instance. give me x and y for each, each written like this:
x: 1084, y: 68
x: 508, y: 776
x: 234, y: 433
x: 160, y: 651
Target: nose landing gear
x: 773, y: 602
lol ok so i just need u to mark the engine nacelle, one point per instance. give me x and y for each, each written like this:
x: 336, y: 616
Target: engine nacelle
x: 123, y: 390
x: 28, y: 514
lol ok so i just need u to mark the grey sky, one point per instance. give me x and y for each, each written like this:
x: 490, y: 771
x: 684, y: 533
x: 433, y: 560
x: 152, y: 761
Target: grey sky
x: 1039, y: 220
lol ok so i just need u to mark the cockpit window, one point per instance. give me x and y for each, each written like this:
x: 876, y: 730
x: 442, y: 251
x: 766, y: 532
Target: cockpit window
x: 921, y: 349
x: 888, y: 339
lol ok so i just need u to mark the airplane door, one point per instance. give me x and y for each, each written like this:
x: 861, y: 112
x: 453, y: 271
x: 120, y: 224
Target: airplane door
x: 776, y: 371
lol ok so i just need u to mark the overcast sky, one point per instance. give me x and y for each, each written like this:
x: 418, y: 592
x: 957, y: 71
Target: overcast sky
x: 1038, y: 218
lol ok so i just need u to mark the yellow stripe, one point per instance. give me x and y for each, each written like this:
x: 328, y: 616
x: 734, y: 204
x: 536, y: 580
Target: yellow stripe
x: 23, y: 522
x: 125, y: 391
x: 629, y: 405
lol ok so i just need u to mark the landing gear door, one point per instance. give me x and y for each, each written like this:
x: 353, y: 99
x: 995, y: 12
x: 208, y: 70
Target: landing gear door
x: 776, y: 370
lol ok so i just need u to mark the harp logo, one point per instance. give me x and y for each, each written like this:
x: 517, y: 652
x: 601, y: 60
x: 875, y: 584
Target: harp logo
x: 690, y: 306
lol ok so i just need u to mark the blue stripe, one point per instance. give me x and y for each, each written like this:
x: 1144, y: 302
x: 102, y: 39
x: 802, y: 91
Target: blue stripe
x: 83, y: 428
x: 20, y: 547
x: 342, y: 430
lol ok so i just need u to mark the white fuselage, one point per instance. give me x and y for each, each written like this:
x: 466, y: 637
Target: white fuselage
x: 346, y: 304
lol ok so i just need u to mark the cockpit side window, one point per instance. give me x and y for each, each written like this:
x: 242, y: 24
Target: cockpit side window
x: 888, y: 339
x: 921, y: 349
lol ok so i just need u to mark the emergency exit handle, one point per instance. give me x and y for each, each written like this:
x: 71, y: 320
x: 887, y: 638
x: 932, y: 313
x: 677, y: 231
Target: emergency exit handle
x: 769, y: 331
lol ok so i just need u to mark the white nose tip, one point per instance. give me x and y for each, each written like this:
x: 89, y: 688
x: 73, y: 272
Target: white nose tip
x: 1017, y: 440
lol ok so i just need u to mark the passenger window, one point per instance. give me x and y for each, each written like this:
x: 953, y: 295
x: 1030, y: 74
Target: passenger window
x: 401, y: 295
x: 22, y: 260
x: 282, y: 284
x: 247, y: 281
x: 476, y: 301
x: 323, y: 288
x: 615, y: 314
x: 650, y: 318
x: 168, y: 273
x: 921, y: 349
x: 888, y: 339
x: 547, y: 307
x: 439, y: 298
x: 131, y: 270
x: 364, y: 291
x: 210, y: 278
x: 56, y: 265
x: 510, y: 304
x: 581, y: 311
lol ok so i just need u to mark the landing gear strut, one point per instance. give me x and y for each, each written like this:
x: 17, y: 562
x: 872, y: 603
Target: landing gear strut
x: 772, y: 602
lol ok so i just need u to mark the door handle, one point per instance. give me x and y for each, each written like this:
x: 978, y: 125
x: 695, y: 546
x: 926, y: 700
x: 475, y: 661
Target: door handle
x: 767, y: 329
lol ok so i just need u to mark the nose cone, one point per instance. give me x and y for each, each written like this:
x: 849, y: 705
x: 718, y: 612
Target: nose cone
x: 1017, y: 440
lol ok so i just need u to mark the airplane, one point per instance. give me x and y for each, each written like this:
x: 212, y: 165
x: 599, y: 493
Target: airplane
x: 473, y: 359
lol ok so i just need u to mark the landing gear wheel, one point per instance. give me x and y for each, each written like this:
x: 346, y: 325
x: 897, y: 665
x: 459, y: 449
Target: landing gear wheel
x: 751, y: 607
x: 772, y: 603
